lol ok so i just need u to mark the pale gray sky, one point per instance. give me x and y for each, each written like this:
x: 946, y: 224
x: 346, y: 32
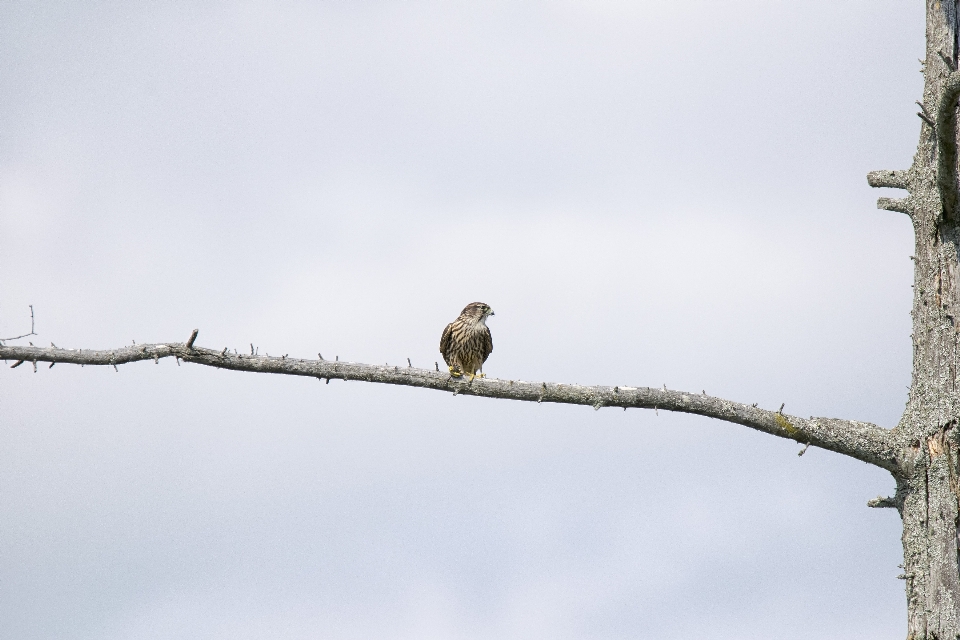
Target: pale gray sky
x: 647, y: 193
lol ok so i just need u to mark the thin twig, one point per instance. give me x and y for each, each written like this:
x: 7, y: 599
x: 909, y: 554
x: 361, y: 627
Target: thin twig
x: 32, y: 332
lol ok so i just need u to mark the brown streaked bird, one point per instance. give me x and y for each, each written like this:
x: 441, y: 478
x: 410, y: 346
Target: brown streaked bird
x: 466, y: 342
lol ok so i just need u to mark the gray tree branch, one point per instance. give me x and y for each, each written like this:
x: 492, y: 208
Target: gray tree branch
x: 887, y: 178
x: 900, y: 205
x: 860, y: 440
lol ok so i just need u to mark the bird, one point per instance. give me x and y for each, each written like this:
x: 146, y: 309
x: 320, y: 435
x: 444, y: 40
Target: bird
x: 466, y: 343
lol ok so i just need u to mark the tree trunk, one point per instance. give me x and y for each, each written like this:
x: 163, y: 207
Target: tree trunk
x: 929, y: 510
x: 927, y: 488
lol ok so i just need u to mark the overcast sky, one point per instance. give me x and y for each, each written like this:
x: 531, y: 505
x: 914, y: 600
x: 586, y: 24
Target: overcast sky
x: 646, y: 193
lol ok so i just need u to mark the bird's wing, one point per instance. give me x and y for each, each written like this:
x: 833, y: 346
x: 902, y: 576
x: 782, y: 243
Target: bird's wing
x: 486, y: 344
x: 445, y: 341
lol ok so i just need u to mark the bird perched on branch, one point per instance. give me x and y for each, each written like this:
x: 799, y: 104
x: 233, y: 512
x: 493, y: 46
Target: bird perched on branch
x: 466, y: 342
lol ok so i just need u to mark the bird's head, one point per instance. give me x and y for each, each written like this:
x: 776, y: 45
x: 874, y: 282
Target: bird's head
x: 477, y: 311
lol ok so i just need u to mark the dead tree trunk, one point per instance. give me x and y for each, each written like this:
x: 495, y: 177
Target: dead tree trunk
x: 927, y: 473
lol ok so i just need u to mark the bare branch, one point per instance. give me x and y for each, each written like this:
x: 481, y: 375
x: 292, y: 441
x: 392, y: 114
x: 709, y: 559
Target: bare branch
x: 901, y: 205
x: 890, y: 179
x: 947, y: 146
x: 893, y: 502
x: 861, y: 440
x: 882, y: 503
x: 32, y: 331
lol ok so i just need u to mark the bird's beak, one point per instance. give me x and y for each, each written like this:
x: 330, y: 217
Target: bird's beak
x: 492, y: 313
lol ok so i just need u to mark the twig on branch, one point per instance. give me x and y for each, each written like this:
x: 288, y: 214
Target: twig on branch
x: 947, y: 146
x: 889, y: 179
x: 32, y: 331
x: 900, y: 205
x: 926, y: 118
x: 882, y: 503
x: 861, y: 440
x: 193, y: 337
